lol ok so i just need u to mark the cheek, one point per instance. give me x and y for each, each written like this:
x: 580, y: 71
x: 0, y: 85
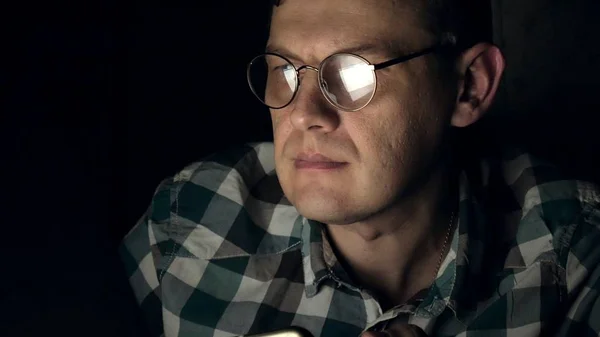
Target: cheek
x: 275, y: 119
x: 395, y: 135
x: 381, y: 131
x: 281, y: 134
x: 280, y: 129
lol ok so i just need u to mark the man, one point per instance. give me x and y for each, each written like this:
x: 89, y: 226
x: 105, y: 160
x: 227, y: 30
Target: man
x: 365, y: 216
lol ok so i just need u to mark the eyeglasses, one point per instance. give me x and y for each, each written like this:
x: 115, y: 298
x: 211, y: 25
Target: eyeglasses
x: 347, y: 81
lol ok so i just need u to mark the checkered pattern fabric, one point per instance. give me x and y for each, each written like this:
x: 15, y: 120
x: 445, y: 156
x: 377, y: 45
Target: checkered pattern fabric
x: 221, y: 252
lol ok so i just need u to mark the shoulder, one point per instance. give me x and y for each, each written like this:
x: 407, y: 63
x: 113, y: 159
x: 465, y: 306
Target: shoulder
x: 228, y: 204
x: 541, y: 187
x: 532, y: 243
x: 550, y: 214
x: 543, y: 190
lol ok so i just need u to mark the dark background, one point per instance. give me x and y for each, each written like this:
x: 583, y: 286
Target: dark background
x: 103, y: 100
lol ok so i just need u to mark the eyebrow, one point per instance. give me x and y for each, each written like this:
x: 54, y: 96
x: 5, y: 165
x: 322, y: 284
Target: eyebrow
x: 365, y: 48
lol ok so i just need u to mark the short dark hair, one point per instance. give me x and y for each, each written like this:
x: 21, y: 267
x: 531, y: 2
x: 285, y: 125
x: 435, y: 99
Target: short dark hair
x: 468, y: 21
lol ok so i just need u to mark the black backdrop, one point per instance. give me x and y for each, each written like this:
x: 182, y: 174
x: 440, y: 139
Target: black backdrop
x: 187, y: 93
x: 104, y: 101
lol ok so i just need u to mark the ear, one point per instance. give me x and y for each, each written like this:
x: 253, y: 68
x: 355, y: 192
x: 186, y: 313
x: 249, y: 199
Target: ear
x: 480, y: 69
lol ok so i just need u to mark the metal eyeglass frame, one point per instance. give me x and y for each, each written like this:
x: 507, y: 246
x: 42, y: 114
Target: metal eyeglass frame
x: 373, y: 67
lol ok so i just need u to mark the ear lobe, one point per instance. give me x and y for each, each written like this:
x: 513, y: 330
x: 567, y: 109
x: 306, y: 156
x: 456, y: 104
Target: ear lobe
x: 480, y: 68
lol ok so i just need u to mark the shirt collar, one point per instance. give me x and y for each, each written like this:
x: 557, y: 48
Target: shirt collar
x: 319, y: 261
x: 461, y: 272
x: 315, y: 269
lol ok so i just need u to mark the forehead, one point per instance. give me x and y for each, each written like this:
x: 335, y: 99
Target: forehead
x: 317, y: 28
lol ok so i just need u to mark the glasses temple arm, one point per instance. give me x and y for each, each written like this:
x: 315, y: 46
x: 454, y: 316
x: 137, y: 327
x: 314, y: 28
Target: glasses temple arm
x: 406, y: 57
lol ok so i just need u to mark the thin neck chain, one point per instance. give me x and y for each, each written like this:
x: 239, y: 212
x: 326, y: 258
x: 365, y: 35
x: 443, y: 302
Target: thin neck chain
x: 441, y: 259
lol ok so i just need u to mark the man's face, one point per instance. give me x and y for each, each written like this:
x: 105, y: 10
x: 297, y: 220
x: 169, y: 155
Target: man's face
x: 379, y: 151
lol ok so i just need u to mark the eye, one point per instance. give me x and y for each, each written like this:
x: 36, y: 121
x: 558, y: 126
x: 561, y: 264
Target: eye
x: 285, y: 67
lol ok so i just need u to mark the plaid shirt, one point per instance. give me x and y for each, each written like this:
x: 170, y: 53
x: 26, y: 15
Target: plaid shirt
x: 221, y: 252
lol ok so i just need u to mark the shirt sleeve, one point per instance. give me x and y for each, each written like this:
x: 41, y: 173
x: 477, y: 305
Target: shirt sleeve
x: 583, y: 278
x: 142, y: 256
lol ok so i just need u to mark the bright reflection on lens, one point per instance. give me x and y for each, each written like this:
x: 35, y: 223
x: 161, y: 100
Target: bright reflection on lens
x: 290, y: 76
x: 350, y: 81
x: 357, y: 80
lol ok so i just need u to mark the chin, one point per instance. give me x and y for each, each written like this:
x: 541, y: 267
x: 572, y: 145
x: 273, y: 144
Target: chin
x: 326, y: 210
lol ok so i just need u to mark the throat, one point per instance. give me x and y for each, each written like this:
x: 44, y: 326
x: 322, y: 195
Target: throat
x: 394, y: 266
x: 396, y: 253
x: 395, y: 285
x: 390, y: 273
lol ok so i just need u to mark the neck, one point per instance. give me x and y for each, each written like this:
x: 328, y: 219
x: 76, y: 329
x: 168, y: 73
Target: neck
x: 405, y: 239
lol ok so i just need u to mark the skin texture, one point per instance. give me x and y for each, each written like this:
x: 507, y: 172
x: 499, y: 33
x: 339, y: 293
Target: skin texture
x: 390, y: 201
x: 388, y: 144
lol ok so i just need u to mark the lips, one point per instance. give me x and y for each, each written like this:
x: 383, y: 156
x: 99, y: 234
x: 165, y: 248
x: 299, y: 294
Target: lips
x: 316, y: 161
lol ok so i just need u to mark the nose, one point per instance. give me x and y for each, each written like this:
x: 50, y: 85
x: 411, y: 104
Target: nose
x: 310, y: 111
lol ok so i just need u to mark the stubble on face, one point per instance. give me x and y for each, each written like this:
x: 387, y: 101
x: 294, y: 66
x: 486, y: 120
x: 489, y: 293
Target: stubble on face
x: 389, y: 143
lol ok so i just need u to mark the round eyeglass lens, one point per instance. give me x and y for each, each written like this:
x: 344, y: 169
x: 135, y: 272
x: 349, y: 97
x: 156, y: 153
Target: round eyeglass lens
x: 273, y: 80
x: 348, y: 81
